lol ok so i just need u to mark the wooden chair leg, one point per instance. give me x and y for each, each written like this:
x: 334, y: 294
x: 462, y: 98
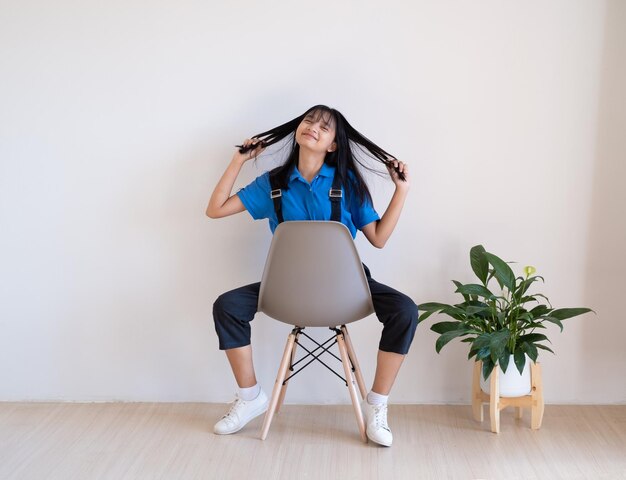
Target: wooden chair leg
x: 494, y: 400
x: 536, y: 410
x: 519, y: 413
x: 345, y: 360
x: 477, y: 402
x: 283, y: 390
x: 357, y: 369
x: 282, y: 371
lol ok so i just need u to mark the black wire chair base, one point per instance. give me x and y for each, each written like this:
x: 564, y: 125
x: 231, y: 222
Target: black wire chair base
x: 324, y: 347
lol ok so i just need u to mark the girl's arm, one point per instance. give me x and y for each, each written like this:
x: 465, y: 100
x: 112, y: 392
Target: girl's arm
x: 378, y: 232
x: 222, y: 203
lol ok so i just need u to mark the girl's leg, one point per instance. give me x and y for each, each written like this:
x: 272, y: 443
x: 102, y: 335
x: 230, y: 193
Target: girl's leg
x: 399, y: 316
x: 233, y: 311
x: 241, y: 364
x: 387, y: 368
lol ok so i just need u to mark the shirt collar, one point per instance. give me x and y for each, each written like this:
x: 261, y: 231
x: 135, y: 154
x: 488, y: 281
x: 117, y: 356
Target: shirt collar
x: 325, y: 171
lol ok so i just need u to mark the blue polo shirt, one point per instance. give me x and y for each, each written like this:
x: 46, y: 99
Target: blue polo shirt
x: 306, y: 201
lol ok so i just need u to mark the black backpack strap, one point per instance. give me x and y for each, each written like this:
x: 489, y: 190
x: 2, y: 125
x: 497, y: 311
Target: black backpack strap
x: 335, y: 195
x: 276, y: 195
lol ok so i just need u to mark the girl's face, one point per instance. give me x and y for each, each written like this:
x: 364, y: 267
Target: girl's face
x: 317, y: 132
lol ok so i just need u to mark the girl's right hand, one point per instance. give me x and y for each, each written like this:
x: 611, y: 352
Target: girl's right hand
x: 250, y: 154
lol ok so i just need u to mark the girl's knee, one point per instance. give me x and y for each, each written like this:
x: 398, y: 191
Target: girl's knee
x: 409, y: 311
x: 409, y: 321
x: 224, y: 303
x: 412, y: 310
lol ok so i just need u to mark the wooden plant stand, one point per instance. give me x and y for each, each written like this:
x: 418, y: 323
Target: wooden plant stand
x: 534, y: 401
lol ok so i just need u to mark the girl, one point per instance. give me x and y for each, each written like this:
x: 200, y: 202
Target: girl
x: 321, y: 158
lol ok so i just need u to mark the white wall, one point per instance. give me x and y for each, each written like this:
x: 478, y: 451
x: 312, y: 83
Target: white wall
x: 117, y: 119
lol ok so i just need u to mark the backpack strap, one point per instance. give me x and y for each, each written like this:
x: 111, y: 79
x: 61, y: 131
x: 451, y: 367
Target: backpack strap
x: 335, y: 195
x: 276, y: 195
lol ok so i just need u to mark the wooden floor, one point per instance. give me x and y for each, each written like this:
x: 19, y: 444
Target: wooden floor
x: 146, y: 440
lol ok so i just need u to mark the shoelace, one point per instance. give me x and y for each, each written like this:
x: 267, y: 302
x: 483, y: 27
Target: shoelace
x: 234, y: 409
x: 380, y: 416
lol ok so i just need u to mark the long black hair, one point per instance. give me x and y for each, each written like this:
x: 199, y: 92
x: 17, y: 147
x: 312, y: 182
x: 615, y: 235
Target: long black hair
x: 342, y: 158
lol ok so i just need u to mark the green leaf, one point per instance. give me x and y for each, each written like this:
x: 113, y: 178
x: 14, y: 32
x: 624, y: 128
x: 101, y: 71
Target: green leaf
x: 443, y: 327
x: 555, y: 321
x: 503, y: 361
x: 520, y: 360
x: 473, y: 310
x: 483, y: 354
x: 492, y: 273
x: 533, y: 325
x: 539, y: 310
x: 424, y: 315
x: 481, y: 341
x: 458, y: 284
x: 527, y: 299
x: 497, y: 343
x: 447, y: 336
x: 522, y: 287
x: 544, y: 297
x: 427, y: 309
x: 563, y: 313
x: 502, y: 271
x: 531, y: 350
x: 479, y: 263
x: 487, y: 367
x: 533, y: 338
x: 525, y: 284
x: 475, y: 289
x: 543, y: 347
x: 455, y: 312
x: 432, y: 306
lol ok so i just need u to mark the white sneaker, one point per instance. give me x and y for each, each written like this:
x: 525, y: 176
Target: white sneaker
x: 376, y: 424
x: 240, y: 413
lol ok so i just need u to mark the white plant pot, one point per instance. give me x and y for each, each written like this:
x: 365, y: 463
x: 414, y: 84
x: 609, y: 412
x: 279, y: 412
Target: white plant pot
x: 512, y: 384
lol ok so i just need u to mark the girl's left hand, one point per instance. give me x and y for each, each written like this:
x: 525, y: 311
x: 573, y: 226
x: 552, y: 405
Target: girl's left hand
x: 402, y: 167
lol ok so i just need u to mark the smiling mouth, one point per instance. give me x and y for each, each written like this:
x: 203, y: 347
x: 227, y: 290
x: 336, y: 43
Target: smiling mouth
x: 309, y: 135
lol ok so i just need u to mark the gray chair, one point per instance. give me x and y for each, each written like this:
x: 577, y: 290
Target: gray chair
x: 313, y: 277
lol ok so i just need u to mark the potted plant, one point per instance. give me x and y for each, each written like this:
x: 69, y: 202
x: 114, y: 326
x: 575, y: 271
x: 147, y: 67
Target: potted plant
x: 501, y: 326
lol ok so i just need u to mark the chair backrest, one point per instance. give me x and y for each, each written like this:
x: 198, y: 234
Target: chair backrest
x: 314, y: 277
